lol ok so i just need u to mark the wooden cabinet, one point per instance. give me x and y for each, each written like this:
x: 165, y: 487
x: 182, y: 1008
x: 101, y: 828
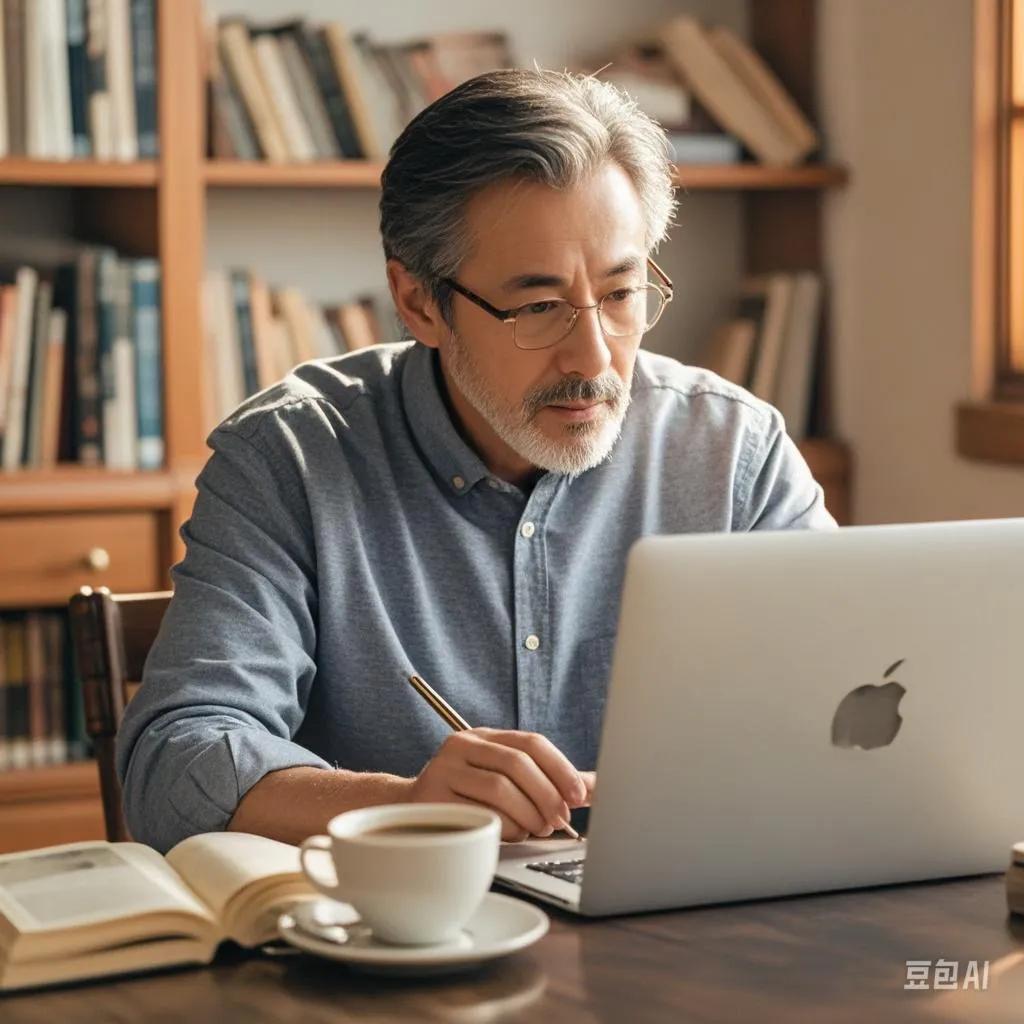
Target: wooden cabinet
x: 47, y: 557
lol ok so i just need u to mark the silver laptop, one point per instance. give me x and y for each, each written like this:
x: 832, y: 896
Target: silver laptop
x: 796, y: 711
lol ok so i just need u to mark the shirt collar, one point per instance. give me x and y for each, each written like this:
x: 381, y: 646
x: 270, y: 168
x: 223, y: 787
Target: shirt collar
x: 458, y: 466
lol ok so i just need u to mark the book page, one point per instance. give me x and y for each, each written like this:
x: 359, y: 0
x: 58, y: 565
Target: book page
x: 82, y: 884
x: 219, y: 865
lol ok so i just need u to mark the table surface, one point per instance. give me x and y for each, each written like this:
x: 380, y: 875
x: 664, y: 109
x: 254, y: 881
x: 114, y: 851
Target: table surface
x: 838, y: 957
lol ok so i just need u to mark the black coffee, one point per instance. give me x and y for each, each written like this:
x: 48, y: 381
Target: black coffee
x: 416, y: 830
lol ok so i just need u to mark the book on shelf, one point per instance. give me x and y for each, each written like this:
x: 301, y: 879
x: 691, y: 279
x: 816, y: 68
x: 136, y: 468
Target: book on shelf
x: 644, y: 71
x: 81, y: 377
x: 796, y: 372
x: 78, y: 79
x: 295, y: 92
x: 95, y: 909
x: 730, y: 350
x: 762, y: 82
x: 41, y: 717
x: 704, y: 148
x: 770, y: 344
x: 283, y: 97
x: 256, y: 334
x: 143, y: 63
x: 739, y: 90
x: 777, y: 290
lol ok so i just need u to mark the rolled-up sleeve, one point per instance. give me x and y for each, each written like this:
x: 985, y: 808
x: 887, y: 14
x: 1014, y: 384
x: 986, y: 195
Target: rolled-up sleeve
x: 226, y: 685
x: 777, y: 488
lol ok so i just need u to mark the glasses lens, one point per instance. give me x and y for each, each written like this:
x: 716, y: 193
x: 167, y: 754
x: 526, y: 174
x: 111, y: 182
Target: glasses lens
x: 630, y: 311
x: 541, y: 324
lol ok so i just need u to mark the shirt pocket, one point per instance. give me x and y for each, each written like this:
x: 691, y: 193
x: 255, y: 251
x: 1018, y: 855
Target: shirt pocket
x: 592, y: 674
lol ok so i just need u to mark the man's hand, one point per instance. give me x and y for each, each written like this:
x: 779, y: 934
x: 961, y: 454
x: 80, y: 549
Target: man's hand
x: 522, y: 776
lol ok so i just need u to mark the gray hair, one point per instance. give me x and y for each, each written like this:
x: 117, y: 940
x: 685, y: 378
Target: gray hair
x: 552, y: 127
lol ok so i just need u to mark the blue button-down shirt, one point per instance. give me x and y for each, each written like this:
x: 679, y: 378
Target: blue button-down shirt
x: 345, y: 535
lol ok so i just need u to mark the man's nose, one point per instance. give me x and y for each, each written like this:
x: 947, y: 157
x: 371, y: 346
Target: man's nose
x: 584, y: 350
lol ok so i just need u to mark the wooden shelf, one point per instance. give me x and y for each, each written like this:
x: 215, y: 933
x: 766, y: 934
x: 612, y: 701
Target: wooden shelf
x: 262, y: 174
x: 78, y: 173
x: 78, y: 487
x: 366, y: 174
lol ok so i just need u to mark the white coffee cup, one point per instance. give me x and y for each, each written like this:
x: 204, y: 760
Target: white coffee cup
x: 412, y: 888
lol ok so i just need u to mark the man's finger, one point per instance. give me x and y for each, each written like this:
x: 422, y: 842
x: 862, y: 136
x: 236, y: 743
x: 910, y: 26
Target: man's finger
x: 590, y: 781
x: 526, y: 774
x: 555, y: 765
x: 500, y: 793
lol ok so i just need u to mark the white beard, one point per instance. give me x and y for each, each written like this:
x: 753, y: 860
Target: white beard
x: 585, y: 444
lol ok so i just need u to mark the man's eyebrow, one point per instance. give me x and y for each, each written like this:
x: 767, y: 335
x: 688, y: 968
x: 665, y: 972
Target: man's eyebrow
x: 536, y: 280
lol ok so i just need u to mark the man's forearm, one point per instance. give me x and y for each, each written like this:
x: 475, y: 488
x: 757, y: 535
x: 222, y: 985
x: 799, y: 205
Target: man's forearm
x: 294, y: 803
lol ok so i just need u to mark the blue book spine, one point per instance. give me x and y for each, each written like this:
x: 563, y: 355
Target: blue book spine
x: 243, y: 318
x: 143, y: 15
x: 148, y: 363
x: 78, y: 71
x: 106, y: 308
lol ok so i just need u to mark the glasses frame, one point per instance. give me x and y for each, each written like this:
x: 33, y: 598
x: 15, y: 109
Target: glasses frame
x: 508, y: 316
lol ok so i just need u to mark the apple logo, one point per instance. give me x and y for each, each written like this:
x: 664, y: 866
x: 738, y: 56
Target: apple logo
x: 868, y: 717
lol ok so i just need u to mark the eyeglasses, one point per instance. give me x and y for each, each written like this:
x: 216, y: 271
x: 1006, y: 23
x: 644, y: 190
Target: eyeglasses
x: 623, y: 313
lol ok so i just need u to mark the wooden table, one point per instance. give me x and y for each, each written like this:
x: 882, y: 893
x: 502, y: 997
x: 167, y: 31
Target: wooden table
x: 834, y: 958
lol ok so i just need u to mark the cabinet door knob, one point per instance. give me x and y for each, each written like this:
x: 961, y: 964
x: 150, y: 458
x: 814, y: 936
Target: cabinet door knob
x: 98, y: 559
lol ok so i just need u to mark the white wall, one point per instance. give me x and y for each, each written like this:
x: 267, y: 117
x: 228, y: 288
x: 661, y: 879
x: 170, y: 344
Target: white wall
x: 895, y: 92
x: 327, y: 241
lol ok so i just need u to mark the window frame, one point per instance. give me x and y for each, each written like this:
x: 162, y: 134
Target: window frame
x: 1009, y: 302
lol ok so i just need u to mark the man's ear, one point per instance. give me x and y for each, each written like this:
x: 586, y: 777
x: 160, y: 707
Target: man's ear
x: 416, y: 306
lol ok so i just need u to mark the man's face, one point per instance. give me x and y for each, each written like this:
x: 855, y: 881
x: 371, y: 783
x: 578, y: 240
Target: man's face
x: 559, y: 408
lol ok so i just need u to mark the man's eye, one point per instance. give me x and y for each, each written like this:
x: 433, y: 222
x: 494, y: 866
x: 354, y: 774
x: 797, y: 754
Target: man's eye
x: 621, y: 294
x: 540, y: 308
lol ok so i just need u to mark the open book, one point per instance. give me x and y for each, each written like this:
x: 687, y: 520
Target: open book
x: 84, y: 910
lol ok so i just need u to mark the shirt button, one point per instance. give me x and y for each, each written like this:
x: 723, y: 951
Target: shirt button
x: 527, y: 530
x: 458, y: 483
x: 532, y: 642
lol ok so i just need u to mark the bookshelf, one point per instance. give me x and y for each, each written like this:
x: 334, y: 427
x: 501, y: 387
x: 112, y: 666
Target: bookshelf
x: 78, y: 173
x: 366, y: 174
x: 56, y: 519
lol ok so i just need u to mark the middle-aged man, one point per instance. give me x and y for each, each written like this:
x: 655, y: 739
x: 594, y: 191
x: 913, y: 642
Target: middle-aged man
x: 460, y: 505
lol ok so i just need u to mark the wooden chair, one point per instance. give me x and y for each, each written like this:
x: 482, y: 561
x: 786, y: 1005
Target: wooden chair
x: 112, y: 634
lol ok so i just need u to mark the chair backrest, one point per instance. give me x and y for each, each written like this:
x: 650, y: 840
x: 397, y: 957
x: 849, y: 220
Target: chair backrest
x: 111, y: 635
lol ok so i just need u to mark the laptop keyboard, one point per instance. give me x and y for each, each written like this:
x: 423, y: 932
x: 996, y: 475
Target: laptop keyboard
x: 567, y: 870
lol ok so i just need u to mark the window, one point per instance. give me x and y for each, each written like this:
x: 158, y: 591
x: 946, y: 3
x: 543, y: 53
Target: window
x: 1010, y: 318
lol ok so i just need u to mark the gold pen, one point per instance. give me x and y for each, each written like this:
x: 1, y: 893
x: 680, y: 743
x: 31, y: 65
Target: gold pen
x: 458, y: 723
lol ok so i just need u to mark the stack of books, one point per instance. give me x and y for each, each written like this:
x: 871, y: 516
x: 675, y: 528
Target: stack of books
x: 299, y: 92
x: 78, y: 79
x: 41, y: 717
x: 255, y: 335
x: 770, y: 345
x: 81, y: 376
x: 713, y: 94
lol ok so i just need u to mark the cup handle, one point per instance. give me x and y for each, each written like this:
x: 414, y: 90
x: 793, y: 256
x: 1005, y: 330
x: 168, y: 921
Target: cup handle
x: 319, y: 844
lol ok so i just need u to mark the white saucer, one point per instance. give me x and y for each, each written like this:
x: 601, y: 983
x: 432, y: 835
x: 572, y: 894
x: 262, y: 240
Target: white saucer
x: 501, y: 925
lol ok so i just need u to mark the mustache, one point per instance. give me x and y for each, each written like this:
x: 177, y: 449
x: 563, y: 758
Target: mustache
x: 606, y: 388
